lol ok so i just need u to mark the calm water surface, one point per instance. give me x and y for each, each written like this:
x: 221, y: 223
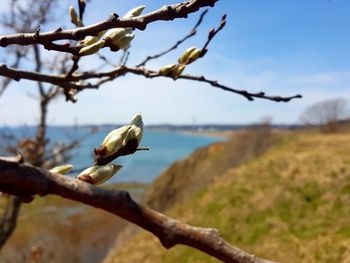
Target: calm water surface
x: 143, y: 166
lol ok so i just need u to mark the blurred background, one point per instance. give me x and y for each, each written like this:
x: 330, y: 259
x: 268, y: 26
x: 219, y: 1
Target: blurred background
x: 272, y: 177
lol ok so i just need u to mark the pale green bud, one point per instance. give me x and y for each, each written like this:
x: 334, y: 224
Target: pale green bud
x: 62, y: 169
x: 184, y: 58
x: 167, y: 69
x: 134, y: 12
x: 115, y: 140
x: 190, y: 55
x: 119, y: 138
x: 73, y: 16
x: 137, y: 120
x: 89, y: 40
x: 98, y: 174
x: 124, y: 42
x: 178, y: 70
x: 136, y: 131
x: 92, y: 49
x: 117, y: 33
x: 194, y: 55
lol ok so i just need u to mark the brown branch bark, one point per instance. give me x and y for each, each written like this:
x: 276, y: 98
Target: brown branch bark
x: 166, y: 13
x: 25, y: 181
x: 60, y: 80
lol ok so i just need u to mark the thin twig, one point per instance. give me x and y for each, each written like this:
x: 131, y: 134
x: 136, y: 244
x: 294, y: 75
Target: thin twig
x: 178, y: 43
x: 104, y: 77
x: 214, y: 83
x: 213, y: 32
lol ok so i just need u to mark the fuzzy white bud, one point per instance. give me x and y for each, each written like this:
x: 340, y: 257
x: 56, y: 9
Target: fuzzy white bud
x: 124, y: 42
x: 62, y: 169
x: 167, y: 69
x: 117, y: 33
x: 119, y: 138
x: 134, y: 12
x: 89, y: 40
x: 99, y: 174
x: 74, y: 16
x: 92, y: 49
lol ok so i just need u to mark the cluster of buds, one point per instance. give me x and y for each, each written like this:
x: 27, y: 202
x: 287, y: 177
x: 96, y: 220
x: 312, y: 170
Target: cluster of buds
x: 93, y: 175
x: 122, y: 141
x: 175, y: 70
x: 190, y: 55
x: 116, y: 39
x: 119, y: 38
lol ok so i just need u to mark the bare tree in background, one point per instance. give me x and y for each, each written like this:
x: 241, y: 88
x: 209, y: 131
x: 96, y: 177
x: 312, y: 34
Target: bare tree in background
x: 25, y: 19
x: 62, y: 75
x: 325, y: 114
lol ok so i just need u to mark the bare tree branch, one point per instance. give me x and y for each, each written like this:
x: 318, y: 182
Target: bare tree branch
x: 68, y: 82
x: 166, y: 13
x: 26, y: 181
x: 59, y: 80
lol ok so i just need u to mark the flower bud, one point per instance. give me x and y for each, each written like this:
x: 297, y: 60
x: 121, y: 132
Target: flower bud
x: 134, y: 12
x: 98, y: 174
x: 124, y: 42
x: 73, y: 16
x: 89, y: 40
x: 194, y: 55
x: 113, y: 141
x: 167, y: 69
x: 211, y: 33
x: 92, y: 49
x: 118, y: 33
x: 120, y: 138
x: 62, y: 169
x: 137, y: 127
x: 184, y: 58
x: 178, y: 70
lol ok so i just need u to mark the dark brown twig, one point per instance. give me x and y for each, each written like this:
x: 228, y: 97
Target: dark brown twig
x: 82, y: 6
x: 213, y: 32
x: 59, y: 80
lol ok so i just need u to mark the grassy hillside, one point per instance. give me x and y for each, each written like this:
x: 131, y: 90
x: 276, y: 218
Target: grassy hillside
x: 291, y: 204
x: 185, y: 178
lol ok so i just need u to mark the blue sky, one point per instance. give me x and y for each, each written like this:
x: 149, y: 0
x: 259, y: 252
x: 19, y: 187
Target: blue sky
x: 280, y: 47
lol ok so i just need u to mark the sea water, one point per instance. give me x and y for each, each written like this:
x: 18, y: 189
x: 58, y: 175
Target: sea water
x: 143, y: 166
